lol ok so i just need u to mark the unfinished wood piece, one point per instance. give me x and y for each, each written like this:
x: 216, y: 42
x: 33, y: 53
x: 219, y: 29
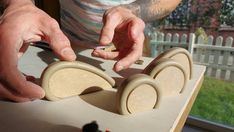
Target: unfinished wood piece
x: 72, y: 114
x: 137, y: 93
x: 180, y: 55
x: 64, y: 79
x: 169, y: 75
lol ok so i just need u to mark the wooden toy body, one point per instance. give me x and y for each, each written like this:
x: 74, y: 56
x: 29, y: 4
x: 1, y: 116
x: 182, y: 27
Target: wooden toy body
x: 138, y: 93
x: 79, y: 110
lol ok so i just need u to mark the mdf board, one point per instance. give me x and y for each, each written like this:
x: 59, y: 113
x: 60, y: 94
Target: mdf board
x: 72, y: 113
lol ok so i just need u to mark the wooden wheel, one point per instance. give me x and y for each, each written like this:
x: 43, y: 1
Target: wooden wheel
x: 179, y: 55
x: 65, y: 79
x: 138, y: 93
x: 169, y: 75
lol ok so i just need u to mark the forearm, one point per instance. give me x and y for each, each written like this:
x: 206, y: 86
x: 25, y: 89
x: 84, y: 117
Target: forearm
x: 149, y: 10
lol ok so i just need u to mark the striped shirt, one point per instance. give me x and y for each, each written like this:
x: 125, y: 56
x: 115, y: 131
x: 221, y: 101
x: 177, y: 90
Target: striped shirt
x: 81, y: 20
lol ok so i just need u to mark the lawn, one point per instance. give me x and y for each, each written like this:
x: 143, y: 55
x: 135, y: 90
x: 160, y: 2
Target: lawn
x: 215, y: 101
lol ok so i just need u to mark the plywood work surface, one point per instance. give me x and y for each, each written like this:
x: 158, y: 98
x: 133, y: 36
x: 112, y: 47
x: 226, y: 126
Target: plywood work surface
x: 72, y: 113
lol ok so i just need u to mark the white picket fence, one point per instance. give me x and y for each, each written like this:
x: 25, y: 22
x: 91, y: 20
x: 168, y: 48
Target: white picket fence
x: 216, y: 54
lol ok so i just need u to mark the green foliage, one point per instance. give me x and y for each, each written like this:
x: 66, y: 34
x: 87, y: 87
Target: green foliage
x: 201, y: 32
x: 179, y: 17
x: 202, y: 13
x: 215, y: 101
x: 227, y: 13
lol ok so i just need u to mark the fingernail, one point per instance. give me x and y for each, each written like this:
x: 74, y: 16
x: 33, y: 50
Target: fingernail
x: 69, y: 53
x: 41, y: 94
x: 119, y: 68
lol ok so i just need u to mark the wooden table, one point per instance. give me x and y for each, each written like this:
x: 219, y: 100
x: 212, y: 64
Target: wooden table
x: 72, y: 113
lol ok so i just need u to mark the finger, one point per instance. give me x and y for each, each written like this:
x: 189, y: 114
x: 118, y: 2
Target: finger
x: 111, y: 20
x: 136, y: 28
x: 134, y: 54
x: 17, y: 83
x: 106, y: 54
x: 58, y: 41
x: 6, y: 94
x: 10, y: 77
x: 136, y: 34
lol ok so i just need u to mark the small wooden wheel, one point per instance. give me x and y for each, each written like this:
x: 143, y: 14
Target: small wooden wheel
x: 64, y: 79
x: 169, y: 75
x: 138, y: 93
x: 180, y: 55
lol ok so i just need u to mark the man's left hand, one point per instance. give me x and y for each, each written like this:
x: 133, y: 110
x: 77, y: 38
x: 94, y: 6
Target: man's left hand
x: 126, y: 31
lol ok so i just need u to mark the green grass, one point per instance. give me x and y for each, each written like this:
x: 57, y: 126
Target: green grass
x: 215, y: 101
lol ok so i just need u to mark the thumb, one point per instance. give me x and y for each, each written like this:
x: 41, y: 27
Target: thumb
x: 11, y: 78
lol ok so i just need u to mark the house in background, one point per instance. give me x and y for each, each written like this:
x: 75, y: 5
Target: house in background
x: 216, y: 17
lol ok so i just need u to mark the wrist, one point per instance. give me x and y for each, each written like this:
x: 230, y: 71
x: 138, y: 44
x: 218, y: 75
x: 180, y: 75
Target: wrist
x: 134, y: 8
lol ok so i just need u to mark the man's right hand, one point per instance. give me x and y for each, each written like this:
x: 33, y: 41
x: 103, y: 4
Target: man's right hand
x: 21, y: 24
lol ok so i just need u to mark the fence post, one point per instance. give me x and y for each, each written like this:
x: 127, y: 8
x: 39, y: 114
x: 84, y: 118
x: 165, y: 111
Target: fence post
x: 183, y: 41
x: 217, y: 53
x: 175, y: 38
x: 200, y: 51
x: 161, y: 40
x: 191, y: 43
x: 168, y: 40
x: 153, y: 44
x: 232, y: 72
x: 208, y: 55
x: 231, y: 61
x: 227, y: 60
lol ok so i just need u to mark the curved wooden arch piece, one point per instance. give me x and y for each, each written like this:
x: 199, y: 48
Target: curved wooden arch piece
x: 137, y: 93
x: 180, y: 55
x: 64, y: 79
x: 169, y: 75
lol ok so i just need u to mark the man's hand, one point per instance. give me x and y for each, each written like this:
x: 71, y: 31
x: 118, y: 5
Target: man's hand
x: 126, y: 31
x: 21, y: 24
